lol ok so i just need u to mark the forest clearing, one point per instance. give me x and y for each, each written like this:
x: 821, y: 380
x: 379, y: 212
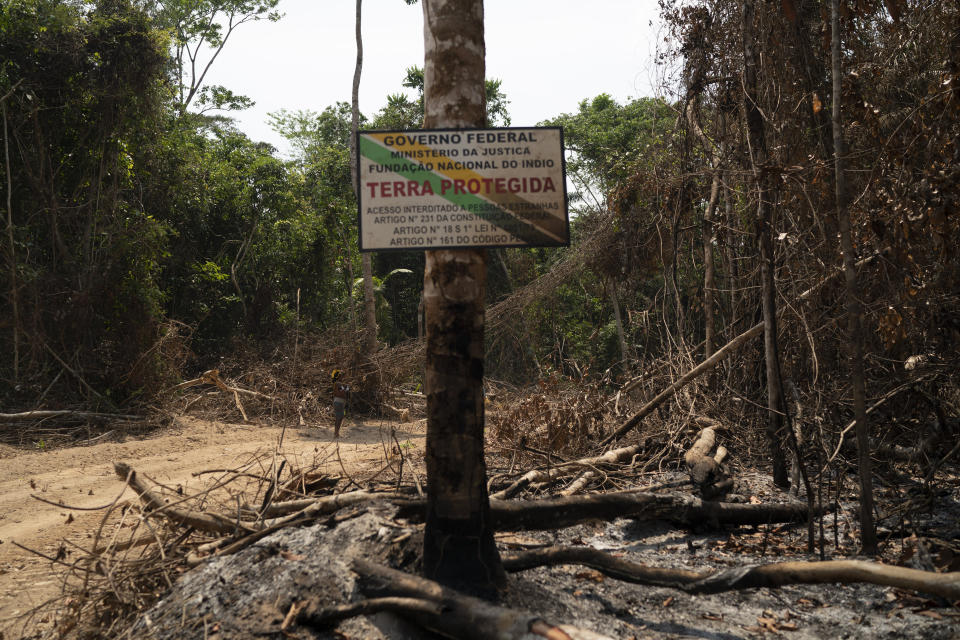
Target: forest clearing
x: 678, y: 365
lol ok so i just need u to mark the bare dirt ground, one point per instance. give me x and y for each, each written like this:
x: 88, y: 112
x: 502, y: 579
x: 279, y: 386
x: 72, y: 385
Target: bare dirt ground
x: 84, y: 477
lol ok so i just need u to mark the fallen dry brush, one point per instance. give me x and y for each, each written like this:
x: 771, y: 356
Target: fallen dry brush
x: 679, y: 458
x: 145, y: 544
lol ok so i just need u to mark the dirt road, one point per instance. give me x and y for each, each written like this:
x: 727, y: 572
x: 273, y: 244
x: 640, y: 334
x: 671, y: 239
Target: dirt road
x: 84, y: 477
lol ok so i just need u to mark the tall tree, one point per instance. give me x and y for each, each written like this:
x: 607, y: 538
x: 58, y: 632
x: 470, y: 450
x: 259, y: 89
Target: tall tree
x: 369, y: 302
x: 458, y: 547
x: 758, y: 159
x: 12, y: 259
x: 202, y: 27
x: 868, y: 530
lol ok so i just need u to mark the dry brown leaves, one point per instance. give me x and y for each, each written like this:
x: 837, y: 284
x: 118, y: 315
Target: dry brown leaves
x: 559, y: 417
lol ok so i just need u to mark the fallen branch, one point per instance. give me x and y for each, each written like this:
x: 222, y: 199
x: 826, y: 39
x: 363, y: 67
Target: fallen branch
x: 212, y: 377
x: 461, y: 616
x: 319, y: 506
x: 778, y: 574
x: 688, y: 377
x: 819, y: 285
x: 210, y: 522
x: 73, y: 415
x: 314, y: 614
x: 614, y: 456
x: 841, y: 443
x: 679, y: 508
x: 579, y: 484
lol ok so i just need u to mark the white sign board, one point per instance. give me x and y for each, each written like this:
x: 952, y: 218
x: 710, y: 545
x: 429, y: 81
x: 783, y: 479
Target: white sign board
x: 461, y: 188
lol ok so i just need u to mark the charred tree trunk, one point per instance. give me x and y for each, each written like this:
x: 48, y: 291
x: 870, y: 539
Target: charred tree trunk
x: 758, y: 159
x: 868, y: 531
x: 458, y: 548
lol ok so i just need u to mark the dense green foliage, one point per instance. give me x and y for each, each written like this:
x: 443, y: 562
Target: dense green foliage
x: 83, y: 93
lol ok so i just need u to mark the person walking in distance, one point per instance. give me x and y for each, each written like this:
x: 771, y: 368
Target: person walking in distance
x: 340, y: 390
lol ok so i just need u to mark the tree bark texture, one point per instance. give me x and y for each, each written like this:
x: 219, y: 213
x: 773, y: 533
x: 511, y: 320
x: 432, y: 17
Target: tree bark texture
x: 868, y: 531
x: 459, y: 549
x: 709, y: 283
x: 758, y: 156
x: 621, y: 336
x: 14, y: 301
x: 369, y: 302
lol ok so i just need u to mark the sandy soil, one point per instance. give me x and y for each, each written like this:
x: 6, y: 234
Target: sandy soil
x: 83, y: 477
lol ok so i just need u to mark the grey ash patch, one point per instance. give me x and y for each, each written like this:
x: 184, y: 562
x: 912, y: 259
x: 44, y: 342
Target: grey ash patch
x: 246, y: 595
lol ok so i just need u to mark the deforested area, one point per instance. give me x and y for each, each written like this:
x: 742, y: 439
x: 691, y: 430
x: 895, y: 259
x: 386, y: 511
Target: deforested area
x: 719, y: 399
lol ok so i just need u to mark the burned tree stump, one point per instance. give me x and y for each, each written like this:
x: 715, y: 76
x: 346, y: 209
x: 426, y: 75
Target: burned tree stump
x: 706, y: 472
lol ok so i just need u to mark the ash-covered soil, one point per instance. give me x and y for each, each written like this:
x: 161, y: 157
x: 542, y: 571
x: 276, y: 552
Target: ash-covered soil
x: 248, y: 594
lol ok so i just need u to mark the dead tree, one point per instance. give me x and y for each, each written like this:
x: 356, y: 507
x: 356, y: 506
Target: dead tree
x: 868, y: 531
x: 758, y: 161
x: 705, y: 470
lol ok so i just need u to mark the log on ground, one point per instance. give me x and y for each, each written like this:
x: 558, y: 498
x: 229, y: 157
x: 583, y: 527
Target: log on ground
x: 679, y: 508
x: 773, y: 575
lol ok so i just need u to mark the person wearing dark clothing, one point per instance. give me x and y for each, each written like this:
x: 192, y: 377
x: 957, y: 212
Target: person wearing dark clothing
x: 340, y: 391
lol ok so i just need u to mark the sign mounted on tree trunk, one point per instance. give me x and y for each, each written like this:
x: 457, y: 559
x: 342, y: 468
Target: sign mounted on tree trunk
x: 462, y: 188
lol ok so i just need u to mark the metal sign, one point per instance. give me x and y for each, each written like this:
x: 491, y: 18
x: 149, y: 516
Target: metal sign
x: 460, y: 188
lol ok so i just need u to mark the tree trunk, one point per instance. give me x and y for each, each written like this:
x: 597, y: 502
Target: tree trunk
x: 618, y: 319
x: 458, y: 548
x: 758, y: 157
x: 868, y: 531
x: 369, y: 302
x: 14, y: 300
x: 709, y: 285
x: 369, y: 308
x: 550, y: 514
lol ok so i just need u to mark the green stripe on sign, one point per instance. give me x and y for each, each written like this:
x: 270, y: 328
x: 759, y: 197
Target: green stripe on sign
x: 522, y: 229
